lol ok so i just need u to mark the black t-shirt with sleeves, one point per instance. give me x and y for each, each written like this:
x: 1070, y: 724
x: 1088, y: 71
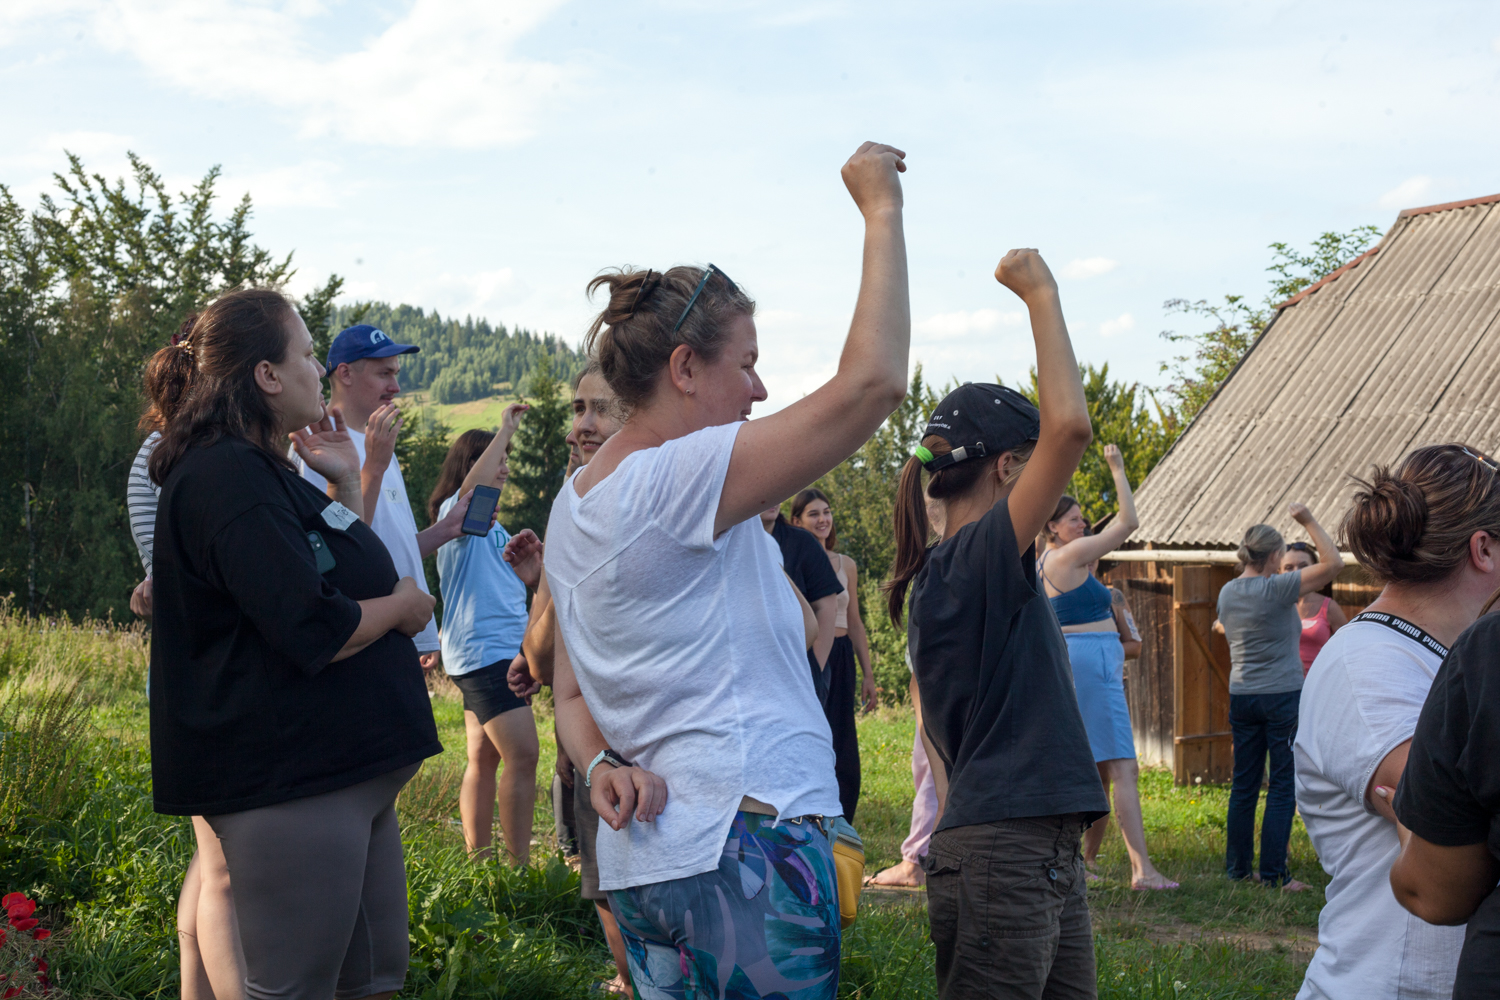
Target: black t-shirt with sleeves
x: 997, y: 689
x: 247, y: 709
x: 806, y: 561
x: 1449, y: 794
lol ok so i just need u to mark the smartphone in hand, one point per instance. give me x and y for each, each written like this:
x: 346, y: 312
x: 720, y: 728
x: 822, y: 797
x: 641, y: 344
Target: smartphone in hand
x: 481, y: 512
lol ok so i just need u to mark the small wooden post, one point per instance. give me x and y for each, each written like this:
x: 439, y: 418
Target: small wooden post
x: 1203, y: 749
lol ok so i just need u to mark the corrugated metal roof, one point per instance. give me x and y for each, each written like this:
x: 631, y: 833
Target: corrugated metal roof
x: 1398, y: 348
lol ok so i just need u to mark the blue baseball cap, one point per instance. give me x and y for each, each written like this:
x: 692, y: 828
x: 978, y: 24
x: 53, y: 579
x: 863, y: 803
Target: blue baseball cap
x: 364, y: 341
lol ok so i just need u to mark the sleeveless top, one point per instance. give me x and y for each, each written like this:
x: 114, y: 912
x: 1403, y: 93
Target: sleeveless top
x: 841, y: 615
x: 1086, y: 603
x: 1315, y: 633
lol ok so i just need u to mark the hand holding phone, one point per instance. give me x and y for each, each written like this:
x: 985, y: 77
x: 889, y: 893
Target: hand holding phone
x: 481, y: 512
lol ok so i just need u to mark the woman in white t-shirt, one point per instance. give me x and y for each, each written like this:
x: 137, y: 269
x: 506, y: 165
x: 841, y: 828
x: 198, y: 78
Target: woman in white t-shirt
x: 1419, y: 528
x: 681, y: 648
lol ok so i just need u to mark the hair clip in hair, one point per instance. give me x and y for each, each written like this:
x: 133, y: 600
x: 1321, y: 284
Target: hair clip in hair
x: 922, y: 455
x: 176, y: 340
x: 642, y: 290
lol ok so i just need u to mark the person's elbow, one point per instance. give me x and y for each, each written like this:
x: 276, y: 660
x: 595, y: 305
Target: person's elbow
x: 1419, y: 896
x: 1072, y: 431
x: 1426, y: 907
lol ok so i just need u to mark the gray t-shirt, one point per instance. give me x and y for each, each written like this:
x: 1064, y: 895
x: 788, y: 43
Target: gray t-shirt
x: 1260, y: 619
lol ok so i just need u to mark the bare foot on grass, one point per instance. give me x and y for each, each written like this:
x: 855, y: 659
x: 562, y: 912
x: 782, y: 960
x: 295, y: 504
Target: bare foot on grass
x: 1292, y: 885
x: 904, y: 874
x: 616, y: 987
x: 1156, y: 880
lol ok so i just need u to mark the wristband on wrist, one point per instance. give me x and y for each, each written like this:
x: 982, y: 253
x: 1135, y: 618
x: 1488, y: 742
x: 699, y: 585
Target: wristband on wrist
x: 605, y: 754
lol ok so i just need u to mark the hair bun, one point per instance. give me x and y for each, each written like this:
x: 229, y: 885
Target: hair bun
x: 1386, y: 523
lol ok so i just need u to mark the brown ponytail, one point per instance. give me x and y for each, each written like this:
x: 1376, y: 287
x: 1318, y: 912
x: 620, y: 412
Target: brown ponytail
x: 911, y: 525
x: 167, y: 377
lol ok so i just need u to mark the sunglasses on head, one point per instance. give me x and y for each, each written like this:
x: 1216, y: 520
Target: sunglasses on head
x: 710, y: 270
x: 1483, y: 460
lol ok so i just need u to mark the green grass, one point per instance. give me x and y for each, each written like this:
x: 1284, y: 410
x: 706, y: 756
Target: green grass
x: 481, y: 413
x: 107, y: 868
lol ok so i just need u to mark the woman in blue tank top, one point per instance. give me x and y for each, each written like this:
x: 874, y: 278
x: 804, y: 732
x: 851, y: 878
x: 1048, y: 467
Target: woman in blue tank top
x: 1084, y: 611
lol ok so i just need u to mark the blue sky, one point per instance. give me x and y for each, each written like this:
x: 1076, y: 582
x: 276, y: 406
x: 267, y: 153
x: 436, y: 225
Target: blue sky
x: 487, y: 158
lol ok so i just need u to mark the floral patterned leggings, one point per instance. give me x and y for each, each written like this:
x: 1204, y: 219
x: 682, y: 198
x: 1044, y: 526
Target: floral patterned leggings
x: 765, y: 923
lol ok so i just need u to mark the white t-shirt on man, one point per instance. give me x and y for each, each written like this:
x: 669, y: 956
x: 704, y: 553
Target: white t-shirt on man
x: 394, y: 524
x: 690, y: 653
x: 1361, y: 700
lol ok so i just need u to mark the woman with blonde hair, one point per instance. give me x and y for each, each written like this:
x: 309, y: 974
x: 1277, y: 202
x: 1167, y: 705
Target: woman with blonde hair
x: 1085, y: 610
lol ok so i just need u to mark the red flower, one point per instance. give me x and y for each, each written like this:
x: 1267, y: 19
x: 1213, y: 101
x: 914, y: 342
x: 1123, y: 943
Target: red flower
x: 2, y: 944
x: 20, y: 909
x: 41, y: 934
x: 14, y: 991
x: 12, y: 898
x: 41, y: 966
x: 23, y: 925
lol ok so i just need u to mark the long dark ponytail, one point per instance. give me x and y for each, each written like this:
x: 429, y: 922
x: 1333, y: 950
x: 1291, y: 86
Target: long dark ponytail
x: 912, y: 528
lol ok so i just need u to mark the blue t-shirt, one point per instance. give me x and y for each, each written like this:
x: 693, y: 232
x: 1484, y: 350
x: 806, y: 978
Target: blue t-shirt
x: 484, y: 602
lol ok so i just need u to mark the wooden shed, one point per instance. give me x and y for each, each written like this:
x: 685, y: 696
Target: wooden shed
x: 1397, y: 349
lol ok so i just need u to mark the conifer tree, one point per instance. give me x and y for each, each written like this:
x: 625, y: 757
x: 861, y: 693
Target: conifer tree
x: 540, y: 455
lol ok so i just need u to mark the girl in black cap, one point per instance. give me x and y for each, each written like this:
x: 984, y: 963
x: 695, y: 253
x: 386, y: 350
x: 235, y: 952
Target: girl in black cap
x: 1005, y: 877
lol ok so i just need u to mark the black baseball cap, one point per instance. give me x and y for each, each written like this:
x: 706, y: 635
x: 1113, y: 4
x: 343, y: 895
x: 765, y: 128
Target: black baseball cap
x: 979, y: 419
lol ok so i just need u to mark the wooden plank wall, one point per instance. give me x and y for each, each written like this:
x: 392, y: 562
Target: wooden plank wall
x: 1148, y: 679
x: 1151, y: 682
x: 1203, y: 748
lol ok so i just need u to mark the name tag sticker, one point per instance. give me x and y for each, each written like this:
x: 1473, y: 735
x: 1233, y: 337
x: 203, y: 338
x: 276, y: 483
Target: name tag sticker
x: 339, y: 517
x: 390, y: 495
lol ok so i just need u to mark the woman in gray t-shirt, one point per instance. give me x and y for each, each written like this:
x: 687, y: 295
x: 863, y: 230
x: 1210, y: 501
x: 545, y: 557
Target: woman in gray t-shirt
x: 1258, y: 615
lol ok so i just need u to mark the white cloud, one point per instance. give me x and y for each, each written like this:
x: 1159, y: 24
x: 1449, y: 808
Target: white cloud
x: 959, y: 324
x: 1088, y: 267
x: 1410, y: 193
x: 304, y: 185
x: 1122, y: 323
x: 443, y: 73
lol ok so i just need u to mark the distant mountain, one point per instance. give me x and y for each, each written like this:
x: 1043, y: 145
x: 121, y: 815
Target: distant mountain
x: 460, y: 361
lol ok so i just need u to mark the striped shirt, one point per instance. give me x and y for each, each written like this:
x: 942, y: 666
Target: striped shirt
x: 140, y: 500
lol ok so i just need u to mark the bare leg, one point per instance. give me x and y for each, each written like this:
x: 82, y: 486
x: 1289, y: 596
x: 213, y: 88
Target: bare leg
x: 195, y: 985
x: 1093, y: 837
x: 908, y: 871
x: 218, y: 930
x: 621, y: 983
x: 514, y: 734
x: 1127, y: 801
x: 476, y: 795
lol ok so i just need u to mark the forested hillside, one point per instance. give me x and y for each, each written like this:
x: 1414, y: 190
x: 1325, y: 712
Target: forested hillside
x: 462, y: 360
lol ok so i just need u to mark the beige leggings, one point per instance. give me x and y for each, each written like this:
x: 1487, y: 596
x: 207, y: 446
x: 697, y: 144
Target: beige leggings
x: 320, y: 892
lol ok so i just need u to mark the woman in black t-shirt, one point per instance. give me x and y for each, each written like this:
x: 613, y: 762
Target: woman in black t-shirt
x: 287, y: 702
x: 1448, y: 800
x: 1005, y: 877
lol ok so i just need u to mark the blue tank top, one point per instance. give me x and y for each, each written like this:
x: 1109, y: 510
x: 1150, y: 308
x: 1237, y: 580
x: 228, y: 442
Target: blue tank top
x: 1088, y: 602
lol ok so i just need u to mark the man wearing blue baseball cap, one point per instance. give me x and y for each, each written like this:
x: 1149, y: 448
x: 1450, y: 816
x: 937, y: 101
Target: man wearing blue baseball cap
x: 363, y: 368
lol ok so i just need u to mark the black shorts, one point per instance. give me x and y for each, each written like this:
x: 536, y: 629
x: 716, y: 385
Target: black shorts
x: 485, y: 692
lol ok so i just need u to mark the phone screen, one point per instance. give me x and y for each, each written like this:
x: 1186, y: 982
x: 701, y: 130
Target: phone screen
x: 481, y: 510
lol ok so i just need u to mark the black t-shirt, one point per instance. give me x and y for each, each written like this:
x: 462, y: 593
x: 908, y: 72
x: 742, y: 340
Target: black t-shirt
x: 1450, y: 792
x: 806, y: 561
x: 997, y: 690
x: 246, y: 708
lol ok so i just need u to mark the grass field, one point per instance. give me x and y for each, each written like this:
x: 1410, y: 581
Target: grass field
x: 77, y: 833
x: 482, y: 413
